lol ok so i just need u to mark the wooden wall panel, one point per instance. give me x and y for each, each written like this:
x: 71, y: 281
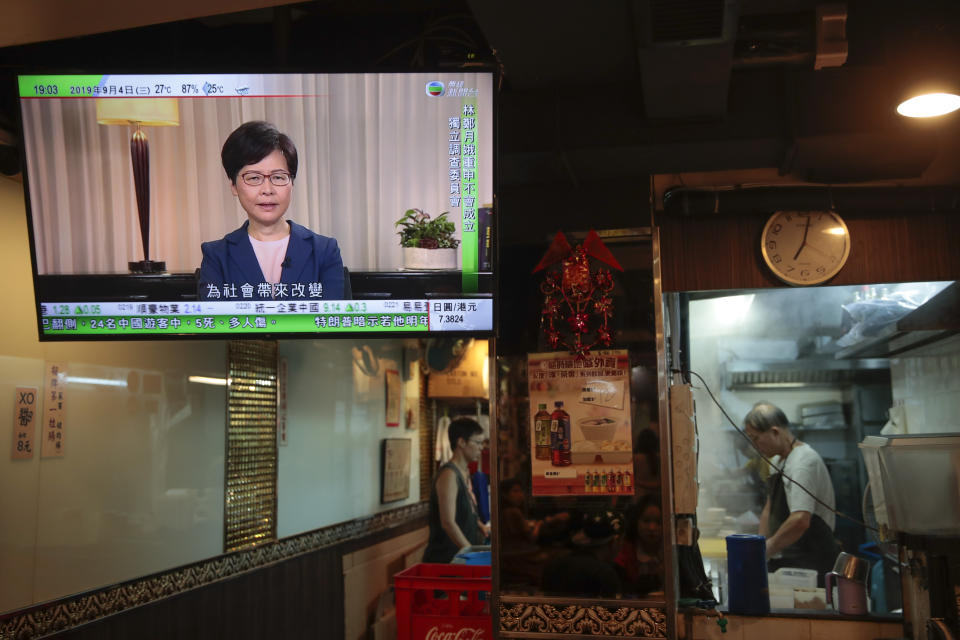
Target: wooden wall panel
x: 299, y: 598
x: 723, y: 251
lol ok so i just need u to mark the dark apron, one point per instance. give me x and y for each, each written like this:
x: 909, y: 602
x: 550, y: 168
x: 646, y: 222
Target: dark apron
x: 816, y: 549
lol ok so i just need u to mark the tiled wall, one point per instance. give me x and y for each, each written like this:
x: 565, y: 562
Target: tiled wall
x: 369, y: 572
x: 926, y: 382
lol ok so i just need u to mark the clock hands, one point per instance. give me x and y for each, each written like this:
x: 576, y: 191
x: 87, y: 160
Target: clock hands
x: 803, y: 242
x: 821, y: 252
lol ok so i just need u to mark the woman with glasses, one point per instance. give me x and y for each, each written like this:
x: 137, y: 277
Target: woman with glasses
x: 269, y: 257
x: 454, y: 518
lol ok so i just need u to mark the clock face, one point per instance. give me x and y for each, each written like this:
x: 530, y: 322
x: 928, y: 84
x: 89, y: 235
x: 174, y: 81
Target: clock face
x: 805, y: 247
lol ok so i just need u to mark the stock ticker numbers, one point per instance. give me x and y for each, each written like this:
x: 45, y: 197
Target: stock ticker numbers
x: 263, y: 316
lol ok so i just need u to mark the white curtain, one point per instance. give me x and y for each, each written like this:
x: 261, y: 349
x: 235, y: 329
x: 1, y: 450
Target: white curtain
x: 370, y: 147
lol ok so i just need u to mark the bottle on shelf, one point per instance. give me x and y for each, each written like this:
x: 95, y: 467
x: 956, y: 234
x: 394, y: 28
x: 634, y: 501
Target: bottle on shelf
x: 560, y: 436
x: 541, y: 430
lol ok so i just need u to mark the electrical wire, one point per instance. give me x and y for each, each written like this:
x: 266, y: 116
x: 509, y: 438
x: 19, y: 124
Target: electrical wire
x: 767, y: 460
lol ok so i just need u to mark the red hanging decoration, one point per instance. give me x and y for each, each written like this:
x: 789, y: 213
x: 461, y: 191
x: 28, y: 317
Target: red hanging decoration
x: 577, y: 305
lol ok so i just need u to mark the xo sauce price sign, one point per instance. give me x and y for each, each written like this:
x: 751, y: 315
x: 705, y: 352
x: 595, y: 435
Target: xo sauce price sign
x: 24, y: 422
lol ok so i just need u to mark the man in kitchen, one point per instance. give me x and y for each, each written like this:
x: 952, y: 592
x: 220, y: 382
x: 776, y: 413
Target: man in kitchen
x: 798, y: 518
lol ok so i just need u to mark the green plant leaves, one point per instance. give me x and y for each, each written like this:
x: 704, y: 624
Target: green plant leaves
x: 418, y: 229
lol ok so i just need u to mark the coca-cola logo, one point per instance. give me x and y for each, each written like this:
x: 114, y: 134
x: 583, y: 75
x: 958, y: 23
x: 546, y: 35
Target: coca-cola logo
x: 466, y: 633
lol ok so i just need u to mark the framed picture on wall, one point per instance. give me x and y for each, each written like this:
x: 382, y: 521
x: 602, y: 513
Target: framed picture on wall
x: 395, y: 465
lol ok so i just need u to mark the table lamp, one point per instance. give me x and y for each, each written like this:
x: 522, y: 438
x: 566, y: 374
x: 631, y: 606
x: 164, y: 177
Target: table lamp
x: 140, y: 112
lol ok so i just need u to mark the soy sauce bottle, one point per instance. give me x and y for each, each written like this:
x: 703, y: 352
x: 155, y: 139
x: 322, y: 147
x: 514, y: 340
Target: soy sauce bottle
x: 559, y: 436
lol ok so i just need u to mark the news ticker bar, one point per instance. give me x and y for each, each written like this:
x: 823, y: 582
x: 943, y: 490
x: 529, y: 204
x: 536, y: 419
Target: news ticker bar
x: 194, y: 85
x: 225, y: 318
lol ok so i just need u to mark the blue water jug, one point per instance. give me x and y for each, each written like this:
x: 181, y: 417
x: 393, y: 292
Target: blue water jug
x: 747, y: 574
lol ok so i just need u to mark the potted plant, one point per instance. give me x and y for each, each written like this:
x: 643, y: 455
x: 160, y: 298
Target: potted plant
x: 428, y: 243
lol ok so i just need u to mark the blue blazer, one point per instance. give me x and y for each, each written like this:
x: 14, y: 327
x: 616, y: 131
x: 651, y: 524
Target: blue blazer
x: 310, y: 258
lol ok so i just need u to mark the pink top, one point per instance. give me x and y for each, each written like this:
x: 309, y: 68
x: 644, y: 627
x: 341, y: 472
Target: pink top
x: 270, y: 255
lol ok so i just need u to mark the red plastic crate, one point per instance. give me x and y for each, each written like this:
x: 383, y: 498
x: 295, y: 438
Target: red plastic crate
x: 443, y: 602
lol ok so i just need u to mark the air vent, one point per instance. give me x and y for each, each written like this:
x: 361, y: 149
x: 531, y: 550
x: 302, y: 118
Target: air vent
x: 684, y: 20
x: 805, y: 373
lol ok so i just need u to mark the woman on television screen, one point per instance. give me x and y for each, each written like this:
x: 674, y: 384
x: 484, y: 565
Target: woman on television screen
x: 269, y: 257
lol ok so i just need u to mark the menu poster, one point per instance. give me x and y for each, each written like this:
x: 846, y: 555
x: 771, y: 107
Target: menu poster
x: 580, y: 429
x: 55, y: 406
x: 24, y: 422
x: 396, y: 470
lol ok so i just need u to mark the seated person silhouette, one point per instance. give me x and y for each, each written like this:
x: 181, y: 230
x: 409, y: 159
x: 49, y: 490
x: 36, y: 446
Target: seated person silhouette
x: 588, y: 570
x: 641, y: 554
x: 520, y: 552
x: 269, y: 257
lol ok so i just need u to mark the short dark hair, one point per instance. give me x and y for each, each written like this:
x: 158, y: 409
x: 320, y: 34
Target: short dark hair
x: 253, y: 141
x: 464, y: 428
x: 764, y: 416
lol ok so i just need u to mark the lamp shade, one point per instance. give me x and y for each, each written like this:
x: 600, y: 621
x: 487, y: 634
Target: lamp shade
x: 155, y: 112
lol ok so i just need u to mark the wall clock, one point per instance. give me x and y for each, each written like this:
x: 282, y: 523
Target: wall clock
x: 805, y: 247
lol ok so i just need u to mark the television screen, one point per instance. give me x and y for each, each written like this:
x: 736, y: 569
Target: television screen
x: 262, y: 204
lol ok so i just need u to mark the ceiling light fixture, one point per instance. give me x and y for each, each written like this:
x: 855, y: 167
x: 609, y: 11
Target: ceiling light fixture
x: 217, y: 382
x: 97, y: 381
x: 929, y: 105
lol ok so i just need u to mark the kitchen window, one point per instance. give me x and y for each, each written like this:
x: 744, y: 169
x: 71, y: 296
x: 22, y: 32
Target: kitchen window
x: 842, y: 363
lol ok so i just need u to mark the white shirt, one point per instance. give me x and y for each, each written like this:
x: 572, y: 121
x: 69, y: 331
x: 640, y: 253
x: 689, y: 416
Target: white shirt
x: 270, y: 255
x: 804, y: 465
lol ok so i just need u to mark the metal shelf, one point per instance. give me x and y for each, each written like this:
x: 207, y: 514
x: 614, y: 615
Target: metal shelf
x: 932, y: 321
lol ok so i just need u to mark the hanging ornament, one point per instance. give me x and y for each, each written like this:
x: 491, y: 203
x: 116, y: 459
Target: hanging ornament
x: 577, y: 305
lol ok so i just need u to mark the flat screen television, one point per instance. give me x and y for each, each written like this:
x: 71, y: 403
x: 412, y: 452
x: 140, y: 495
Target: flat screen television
x: 139, y: 230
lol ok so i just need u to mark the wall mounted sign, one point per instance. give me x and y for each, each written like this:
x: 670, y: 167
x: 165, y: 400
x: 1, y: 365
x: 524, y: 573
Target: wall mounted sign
x: 411, y: 393
x: 395, y: 470
x: 468, y: 379
x: 54, y: 409
x: 580, y: 423
x: 24, y: 422
x: 394, y: 389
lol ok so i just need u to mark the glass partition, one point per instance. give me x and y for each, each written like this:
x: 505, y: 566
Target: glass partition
x: 581, y: 520
x: 136, y: 483
x: 841, y: 363
x: 338, y: 394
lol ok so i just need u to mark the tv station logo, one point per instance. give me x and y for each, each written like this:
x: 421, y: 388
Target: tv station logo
x: 452, y: 89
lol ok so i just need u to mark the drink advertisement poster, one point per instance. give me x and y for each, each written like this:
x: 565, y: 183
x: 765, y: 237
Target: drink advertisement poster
x: 580, y: 431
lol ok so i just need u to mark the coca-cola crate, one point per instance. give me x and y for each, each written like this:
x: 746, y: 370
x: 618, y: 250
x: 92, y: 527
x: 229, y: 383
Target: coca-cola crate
x: 443, y: 602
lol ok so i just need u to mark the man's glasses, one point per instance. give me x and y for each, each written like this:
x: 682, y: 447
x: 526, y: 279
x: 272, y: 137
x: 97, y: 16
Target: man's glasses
x: 476, y: 442
x: 255, y: 179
